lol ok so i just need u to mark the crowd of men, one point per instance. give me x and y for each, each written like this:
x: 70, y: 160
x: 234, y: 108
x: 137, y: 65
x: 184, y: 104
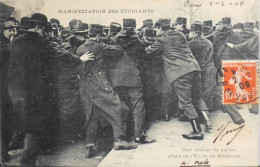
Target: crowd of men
x: 57, y: 80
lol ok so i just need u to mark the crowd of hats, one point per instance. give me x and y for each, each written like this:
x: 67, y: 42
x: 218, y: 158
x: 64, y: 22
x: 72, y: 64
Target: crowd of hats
x: 128, y: 28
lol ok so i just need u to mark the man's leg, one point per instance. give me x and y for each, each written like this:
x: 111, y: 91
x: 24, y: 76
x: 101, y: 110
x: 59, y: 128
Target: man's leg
x: 30, y: 152
x: 91, y: 133
x: 199, y: 102
x: 183, y: 88
x: 137, y: 103
x: 7, y: 126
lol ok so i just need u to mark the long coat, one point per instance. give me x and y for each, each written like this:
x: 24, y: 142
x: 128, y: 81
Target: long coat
x: 95, y: 88
x: 34, y: 65
x: 123, y: 70
x: 249, y: 49
x: 220, y: 50
x: 177, y: 56
x: 202, y: 50
x: 244, y: 36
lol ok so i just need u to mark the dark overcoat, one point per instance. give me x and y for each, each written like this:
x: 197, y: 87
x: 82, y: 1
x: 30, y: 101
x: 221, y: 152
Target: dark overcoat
x: 220, y: 49
x: 34, y: 65
x: 244, y: 36
x: 202, y: 50
x: 95, y: 88
x: 123, y: 70
x: 249, y: 49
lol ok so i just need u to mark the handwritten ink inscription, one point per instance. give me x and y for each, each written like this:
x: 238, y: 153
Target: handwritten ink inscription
x: 224, y: 130
x: 195, y: 163
x: 192, y: 3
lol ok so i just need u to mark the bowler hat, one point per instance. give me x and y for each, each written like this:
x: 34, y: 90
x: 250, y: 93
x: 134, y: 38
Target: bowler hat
x: 181, y: 20
x: 82, y: 29
x: 5, y: 12
x: 226, y: 22
x: 95, y: 29
x: 114, y: 28
x: 24, y: 22
x: 249, y: 26
x: 38, y: 19
x: 147, y: 23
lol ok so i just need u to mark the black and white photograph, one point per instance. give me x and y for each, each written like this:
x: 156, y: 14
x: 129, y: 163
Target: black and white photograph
x: 129, y: 83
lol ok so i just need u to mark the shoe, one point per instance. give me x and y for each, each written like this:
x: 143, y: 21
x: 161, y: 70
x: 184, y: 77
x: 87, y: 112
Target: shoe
x: 196, y: 134
x: 89, y: 152
x: 166, y: 118
x: 124, y: 145
x: 183, y: 118
x: 144, y: 140
x: 241, y: 121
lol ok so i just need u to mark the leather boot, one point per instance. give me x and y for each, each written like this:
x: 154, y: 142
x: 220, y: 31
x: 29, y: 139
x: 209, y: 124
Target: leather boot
x: 196, y: 134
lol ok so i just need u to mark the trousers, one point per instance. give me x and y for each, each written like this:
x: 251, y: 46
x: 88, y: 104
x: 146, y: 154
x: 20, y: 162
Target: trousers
x: 187, y: 88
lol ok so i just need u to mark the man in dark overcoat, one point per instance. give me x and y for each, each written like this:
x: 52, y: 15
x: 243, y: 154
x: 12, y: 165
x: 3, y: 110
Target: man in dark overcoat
x: 98, y: 97
x: 221, y: 51
x: 7, y: 32
x: 182, y: 71
x: 34, y: 65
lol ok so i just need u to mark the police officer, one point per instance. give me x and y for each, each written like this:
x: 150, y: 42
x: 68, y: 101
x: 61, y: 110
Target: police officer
x: 202, y: 50
x: 182, y: 71
x: 126, y: 79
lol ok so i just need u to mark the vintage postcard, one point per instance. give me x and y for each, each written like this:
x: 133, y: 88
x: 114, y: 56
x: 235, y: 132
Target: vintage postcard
x: 129, y: 83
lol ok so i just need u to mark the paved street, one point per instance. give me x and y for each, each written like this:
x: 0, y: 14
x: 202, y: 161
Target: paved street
x: 170, y: 149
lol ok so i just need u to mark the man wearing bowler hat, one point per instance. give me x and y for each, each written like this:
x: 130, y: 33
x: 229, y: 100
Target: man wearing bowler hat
x: 182, y: 71
x: 33, y: 69
x: 221, y: 51
x: 202, y: 50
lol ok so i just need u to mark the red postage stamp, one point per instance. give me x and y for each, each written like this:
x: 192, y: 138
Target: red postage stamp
x: 240, y: 82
